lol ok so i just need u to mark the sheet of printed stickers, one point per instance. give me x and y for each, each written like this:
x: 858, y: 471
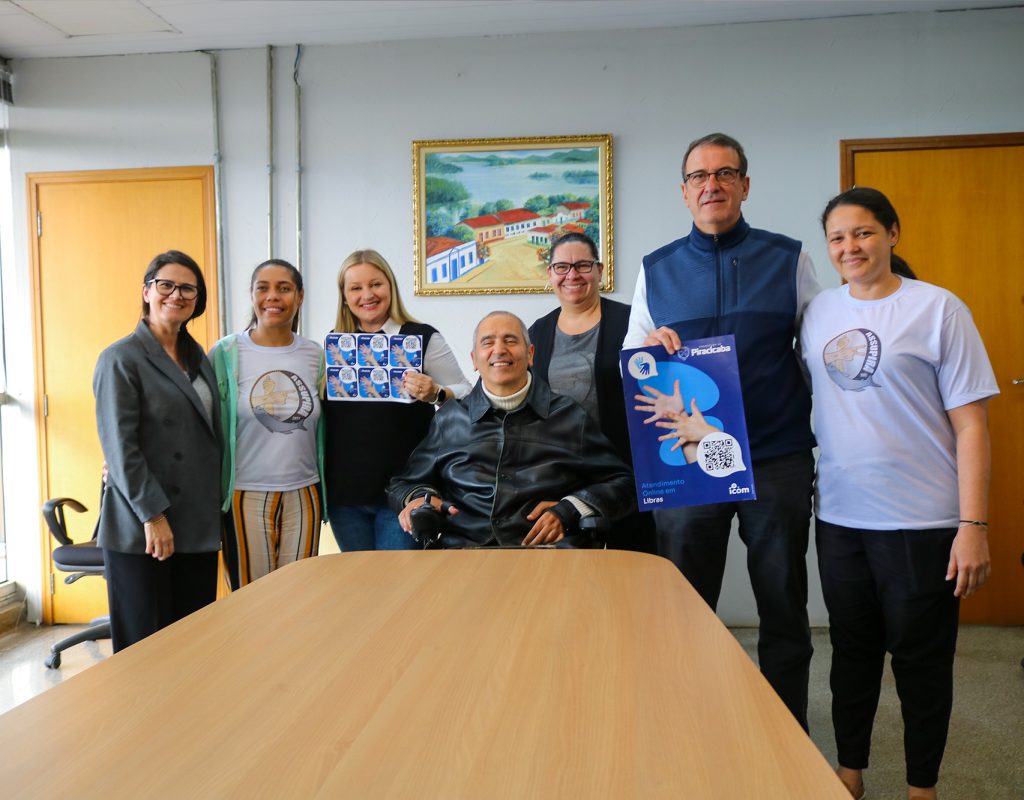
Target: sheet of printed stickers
x: 370, y: 366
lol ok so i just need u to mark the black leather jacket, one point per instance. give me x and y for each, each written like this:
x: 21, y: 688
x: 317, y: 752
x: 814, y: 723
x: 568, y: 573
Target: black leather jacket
x: 495, y: 467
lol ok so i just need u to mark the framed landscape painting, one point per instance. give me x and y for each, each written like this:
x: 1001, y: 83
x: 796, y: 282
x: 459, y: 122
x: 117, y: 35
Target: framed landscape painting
x: 486, y: 210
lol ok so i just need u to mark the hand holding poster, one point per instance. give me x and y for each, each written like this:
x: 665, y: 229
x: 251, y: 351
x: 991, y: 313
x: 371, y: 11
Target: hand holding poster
x: 371, y: 366
x: 687, y: 429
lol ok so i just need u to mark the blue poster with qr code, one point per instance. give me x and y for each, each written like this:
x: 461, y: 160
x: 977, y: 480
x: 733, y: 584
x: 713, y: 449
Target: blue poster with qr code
x: 687, y: 429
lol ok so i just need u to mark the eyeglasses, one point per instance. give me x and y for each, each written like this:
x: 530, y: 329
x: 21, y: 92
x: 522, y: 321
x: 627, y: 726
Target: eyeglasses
x: 726, y: 176
x: 582, y: 267
x: 166, y: 288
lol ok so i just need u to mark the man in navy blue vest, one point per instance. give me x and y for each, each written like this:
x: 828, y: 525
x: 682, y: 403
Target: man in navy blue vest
x: 726, y: 277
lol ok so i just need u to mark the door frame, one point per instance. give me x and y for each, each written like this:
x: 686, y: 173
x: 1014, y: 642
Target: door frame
x: 33, y: 182
x: 850, y: 148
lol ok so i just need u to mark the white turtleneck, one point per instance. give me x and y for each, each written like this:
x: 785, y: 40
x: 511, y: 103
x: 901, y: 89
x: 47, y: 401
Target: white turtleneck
x: 512, y: 401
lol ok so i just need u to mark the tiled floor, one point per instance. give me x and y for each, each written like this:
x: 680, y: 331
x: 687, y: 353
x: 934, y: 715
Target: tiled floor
x: 22, y: 653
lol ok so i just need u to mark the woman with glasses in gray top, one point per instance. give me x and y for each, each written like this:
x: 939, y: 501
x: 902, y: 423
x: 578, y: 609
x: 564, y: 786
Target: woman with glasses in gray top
x: 577, y: 352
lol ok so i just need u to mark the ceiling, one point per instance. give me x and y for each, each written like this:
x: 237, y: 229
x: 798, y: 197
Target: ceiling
x: 56, y: 28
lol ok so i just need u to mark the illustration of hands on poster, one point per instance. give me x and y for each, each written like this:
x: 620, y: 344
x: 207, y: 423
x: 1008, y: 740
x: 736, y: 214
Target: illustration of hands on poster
x: 687, y: 429
x: 371, y: 366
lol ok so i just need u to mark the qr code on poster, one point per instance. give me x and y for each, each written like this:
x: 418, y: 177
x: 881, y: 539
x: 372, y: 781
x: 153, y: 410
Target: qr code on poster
x: 719, y: 455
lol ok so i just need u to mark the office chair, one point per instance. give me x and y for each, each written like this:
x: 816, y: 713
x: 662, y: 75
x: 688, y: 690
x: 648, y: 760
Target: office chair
x: 79, y: 560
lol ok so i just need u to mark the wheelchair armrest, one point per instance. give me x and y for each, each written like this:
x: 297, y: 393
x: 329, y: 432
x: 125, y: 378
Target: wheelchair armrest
x: 596, y: 527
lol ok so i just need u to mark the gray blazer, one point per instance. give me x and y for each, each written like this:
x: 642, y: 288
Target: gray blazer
x: 162, y: 452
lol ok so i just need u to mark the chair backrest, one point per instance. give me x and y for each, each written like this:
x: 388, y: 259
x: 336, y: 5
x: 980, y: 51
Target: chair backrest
x: 53, y: 513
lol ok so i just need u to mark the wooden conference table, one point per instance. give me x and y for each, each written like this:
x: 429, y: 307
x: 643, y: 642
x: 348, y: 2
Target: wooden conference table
x: 460, y: 674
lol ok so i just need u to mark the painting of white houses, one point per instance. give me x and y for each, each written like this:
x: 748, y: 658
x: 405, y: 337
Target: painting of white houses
x: 487, y: 210
x: 574, y: 211
x: 484, y: 228
x: 542, y: 235
x: 518, y: 221
x: 449, y: 259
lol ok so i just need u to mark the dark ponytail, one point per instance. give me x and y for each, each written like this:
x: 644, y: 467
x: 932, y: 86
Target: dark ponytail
x: 902, y: 268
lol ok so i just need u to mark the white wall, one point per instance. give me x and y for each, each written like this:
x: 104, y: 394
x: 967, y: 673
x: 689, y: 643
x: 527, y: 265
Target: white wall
x: 788, y: 91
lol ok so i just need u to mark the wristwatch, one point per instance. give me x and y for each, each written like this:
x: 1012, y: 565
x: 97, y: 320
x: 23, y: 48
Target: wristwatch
x: 442, y: 395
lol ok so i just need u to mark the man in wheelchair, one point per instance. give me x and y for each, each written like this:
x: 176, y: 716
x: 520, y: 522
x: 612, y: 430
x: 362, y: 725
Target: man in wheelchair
x: 510, y: 464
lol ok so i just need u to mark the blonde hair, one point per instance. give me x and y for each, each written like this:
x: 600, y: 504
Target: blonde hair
x: 347, y: 322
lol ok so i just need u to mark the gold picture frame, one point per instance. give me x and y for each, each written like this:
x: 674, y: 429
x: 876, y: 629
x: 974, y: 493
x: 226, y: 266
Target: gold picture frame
x: 485, y: 210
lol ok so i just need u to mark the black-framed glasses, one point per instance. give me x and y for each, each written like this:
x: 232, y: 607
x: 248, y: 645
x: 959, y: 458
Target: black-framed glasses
x: 582, y: 267
x: 165, y: 288
x: 726, y: 176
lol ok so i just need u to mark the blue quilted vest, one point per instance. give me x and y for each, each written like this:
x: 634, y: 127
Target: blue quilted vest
x: 742, y: 282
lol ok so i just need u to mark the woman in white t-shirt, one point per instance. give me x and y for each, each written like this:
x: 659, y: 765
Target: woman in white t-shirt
x: 269, y: 380
x: 901, y: 381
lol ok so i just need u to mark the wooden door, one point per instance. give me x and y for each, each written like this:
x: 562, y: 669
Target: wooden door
x: 961, y: 205
x: 96, y: 232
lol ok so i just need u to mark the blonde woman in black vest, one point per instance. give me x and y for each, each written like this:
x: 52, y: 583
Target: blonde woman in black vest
x: 368, y: 442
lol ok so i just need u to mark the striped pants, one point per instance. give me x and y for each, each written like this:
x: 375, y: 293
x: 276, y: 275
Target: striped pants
x: 266, y: 530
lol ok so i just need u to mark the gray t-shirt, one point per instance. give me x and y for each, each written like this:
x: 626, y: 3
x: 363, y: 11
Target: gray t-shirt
x: 571, y: 371
x: 278, y: 410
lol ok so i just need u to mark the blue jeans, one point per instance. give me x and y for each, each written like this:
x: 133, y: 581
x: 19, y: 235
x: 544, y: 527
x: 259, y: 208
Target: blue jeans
x: 368, y: 528
x: 774, y: 527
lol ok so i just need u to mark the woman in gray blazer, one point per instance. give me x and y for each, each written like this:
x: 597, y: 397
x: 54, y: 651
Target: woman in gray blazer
x: 159, y: 426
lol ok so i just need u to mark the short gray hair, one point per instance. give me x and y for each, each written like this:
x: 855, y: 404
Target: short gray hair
x: 522, y: 325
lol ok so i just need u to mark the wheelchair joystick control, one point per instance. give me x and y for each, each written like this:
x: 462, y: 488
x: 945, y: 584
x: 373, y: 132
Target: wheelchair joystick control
x: 426, y: 522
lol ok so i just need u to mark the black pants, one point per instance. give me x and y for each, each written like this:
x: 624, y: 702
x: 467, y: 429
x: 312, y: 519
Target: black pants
x: 775, y: 529
x: 887, y: 590
x: 146, y: 595
x: 635, y: 532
